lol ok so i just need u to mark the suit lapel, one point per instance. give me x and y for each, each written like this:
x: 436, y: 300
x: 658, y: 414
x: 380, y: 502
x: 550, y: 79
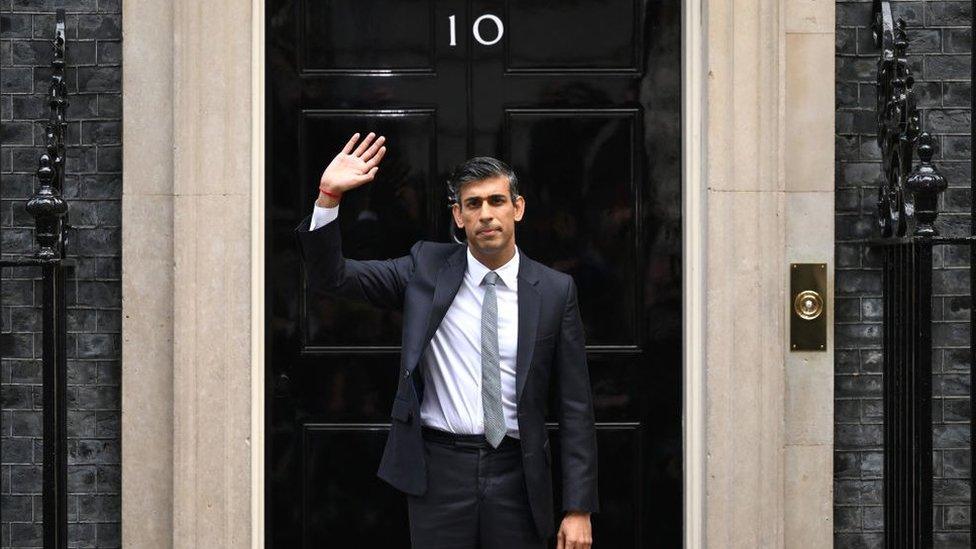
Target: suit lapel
x: 528, y: 320
x: 446, y: 286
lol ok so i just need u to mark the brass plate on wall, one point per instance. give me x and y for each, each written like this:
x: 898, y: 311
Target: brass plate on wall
x: 808, y: 306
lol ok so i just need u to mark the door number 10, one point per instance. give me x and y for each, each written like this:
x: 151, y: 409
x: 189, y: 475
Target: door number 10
x: 476, y: 29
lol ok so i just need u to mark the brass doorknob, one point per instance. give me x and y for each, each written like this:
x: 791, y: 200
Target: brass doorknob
x: 808, y: 304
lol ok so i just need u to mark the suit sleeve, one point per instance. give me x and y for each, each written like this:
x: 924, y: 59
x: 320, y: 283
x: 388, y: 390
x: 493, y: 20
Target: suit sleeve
x: 576, y: 418
x: 381, y: 282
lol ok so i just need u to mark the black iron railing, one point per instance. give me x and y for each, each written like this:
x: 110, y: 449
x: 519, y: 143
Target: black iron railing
x: 907, y: 211
x: 50, y: 212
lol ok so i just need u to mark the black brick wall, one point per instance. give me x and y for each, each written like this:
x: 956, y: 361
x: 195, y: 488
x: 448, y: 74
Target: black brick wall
x: 940, y: 55
x: 94, y: 191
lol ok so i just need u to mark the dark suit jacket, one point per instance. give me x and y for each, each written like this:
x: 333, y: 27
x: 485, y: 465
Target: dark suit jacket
x: 550, y: 353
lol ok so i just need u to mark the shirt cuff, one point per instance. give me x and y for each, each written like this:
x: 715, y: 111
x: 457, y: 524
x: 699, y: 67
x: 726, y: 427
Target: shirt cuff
x: 322, y: 215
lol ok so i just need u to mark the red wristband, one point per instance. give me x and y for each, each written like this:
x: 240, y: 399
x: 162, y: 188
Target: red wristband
x: 333, y: 195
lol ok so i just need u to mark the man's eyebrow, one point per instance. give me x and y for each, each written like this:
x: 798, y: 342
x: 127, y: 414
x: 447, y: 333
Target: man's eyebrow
x: 496, y: 195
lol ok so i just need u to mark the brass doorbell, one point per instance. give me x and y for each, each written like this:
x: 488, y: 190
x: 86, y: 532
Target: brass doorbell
x: 808, y: 310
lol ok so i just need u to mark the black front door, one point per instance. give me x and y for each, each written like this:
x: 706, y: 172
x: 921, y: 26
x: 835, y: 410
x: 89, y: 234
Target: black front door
x: 583, y: 100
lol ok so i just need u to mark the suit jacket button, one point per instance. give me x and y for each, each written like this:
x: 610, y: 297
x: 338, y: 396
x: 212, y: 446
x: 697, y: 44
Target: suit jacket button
x: 406, y: 373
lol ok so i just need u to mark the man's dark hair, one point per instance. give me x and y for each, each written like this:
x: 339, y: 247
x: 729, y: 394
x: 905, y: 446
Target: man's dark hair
x: 476, y: 169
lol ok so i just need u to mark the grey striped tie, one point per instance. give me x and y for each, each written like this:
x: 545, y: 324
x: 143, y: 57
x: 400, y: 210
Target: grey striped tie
x: 491, y: 378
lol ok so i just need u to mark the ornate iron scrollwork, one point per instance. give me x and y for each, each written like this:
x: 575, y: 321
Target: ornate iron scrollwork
x: 907, y: 209
x: 899, y: 133
x: 50, y: 210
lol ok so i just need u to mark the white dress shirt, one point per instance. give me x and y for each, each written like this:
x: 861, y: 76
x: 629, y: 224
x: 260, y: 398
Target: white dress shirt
x: 452, y: 361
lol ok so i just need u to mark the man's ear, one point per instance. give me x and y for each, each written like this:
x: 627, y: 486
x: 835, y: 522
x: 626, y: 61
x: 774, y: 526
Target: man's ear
x: 519, y: 207
x: 456, y: 213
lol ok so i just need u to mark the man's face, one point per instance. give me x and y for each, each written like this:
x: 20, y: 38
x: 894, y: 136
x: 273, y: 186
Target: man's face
x: 486, y: 212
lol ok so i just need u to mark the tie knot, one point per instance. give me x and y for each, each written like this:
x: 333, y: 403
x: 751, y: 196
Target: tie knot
x: 491, y: 277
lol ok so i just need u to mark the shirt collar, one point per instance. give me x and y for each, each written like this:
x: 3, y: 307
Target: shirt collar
x: 507, y: 272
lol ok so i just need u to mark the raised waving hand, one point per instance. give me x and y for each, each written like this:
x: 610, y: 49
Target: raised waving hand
x: 352, y: 167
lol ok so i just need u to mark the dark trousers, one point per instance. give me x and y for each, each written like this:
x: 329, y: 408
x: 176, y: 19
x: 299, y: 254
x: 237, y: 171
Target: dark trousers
x: 476, y: 496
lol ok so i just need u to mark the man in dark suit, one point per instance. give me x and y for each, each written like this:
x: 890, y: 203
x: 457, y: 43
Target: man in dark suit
x: 487, y: 332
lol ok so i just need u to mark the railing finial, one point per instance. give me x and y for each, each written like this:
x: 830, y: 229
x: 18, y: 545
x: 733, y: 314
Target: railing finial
x: 925, y: 183
x: 47, y: 205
